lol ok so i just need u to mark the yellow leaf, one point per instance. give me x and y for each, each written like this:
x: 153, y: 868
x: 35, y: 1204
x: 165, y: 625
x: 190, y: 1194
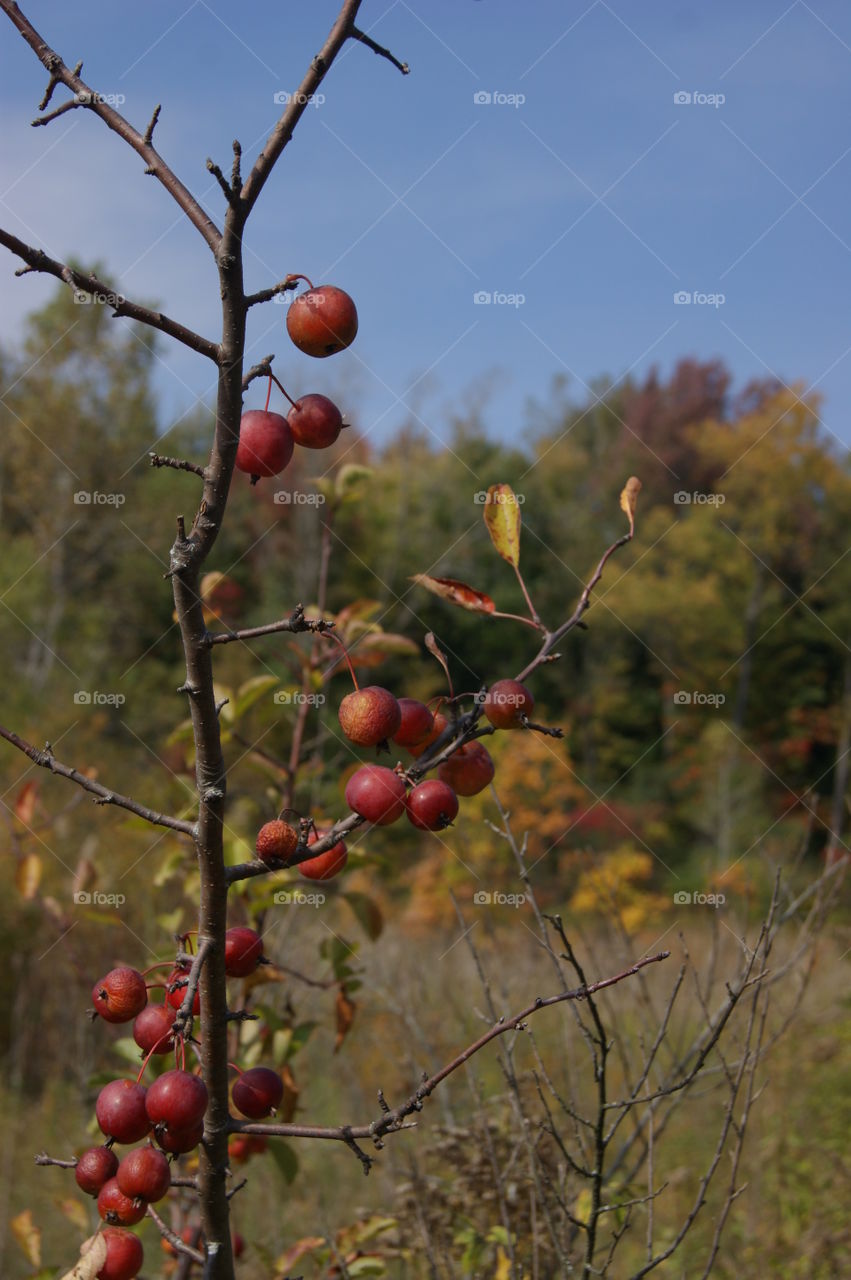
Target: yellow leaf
x: 28, y: 1236
x: 503, y: 1265
x: 502, y: 517
x: 28, y: 876
x: 629, y: 497
x: 75, y: 1212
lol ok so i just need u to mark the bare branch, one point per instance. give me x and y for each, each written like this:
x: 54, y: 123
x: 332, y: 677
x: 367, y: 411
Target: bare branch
x: 93, y: 101
x: 179, y: 464
x: 391, y: 1121
x: 266, y: 295
x: 149, y: 132
x: 103, y: 795
x: 227, y: 190
x: 37, y: 260
x: 298, y: 104
x: 357, y: 34
x: 260, y: 370
x: 296, y: 623
x: 184, y: 1014
x: 174, y: 1240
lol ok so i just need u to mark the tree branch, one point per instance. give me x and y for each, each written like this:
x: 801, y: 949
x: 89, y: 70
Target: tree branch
x: 392, y: 1120
x: 103, y: 795
x: 37, y: 260
x: 296, y: 623
x: 174, y: 1240
x: 357, y: 34
x: 179, y: 464
x: 298, y: 104
x: 113, y: 119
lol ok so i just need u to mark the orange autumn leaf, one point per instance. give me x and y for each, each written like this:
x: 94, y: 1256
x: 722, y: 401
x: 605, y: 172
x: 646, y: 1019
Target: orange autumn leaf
x: 456, y: 593
x: 345, y: 1009
x: 25, y: 803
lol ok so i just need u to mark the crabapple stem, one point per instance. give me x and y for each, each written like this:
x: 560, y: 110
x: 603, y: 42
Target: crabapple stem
x: 298, y: 276
x: 338, y: 641
x: 268, y: 395
x: 281, y: 388
x: 153, y: 1050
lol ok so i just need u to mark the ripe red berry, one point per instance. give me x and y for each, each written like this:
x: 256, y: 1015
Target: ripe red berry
x: 258, y: 1092
x: 124, y: 1255
x: 315, y: 422
x: 265, y: 443
x: 238, y: 1245
x: 377, y: 794
x: 243, y: 952
x: 144, y: 1174
x: 440, y: 723
x: 416, y: 724
x: 369, y: 716
x: 175, y: 996
x: 432, y: 805
x: 276, y: 840
x: 322, y: 320
x: 151, y: 1029
x: 506, y: 703
x: 179, y: 1141
x: 120, y: 995
x: 469, y: 770
x: 120, y: 1111
x: 95, y: 1167
x: 325, y: 865
x: 115, y: 1207
x: 177, y: 1099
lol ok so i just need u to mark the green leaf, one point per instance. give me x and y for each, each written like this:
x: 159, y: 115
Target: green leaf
x: 247, y: 694
x: 127, y: 1049
x: 171, y: 863
x: 349, y: 481
x: 367, y: 1267
x: 300, y: 1036
x: 367, y: 912
x: 285, y: 1159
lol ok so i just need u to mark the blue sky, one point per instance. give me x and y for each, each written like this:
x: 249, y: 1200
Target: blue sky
x: 582, y: 187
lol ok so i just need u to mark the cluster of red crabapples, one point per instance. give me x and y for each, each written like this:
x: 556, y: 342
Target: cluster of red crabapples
x: 167, y: 1116
x: 320, y: 322
x: 374, y: 717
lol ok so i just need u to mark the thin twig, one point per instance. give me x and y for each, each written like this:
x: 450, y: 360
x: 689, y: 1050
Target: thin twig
x: 46, y: 760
